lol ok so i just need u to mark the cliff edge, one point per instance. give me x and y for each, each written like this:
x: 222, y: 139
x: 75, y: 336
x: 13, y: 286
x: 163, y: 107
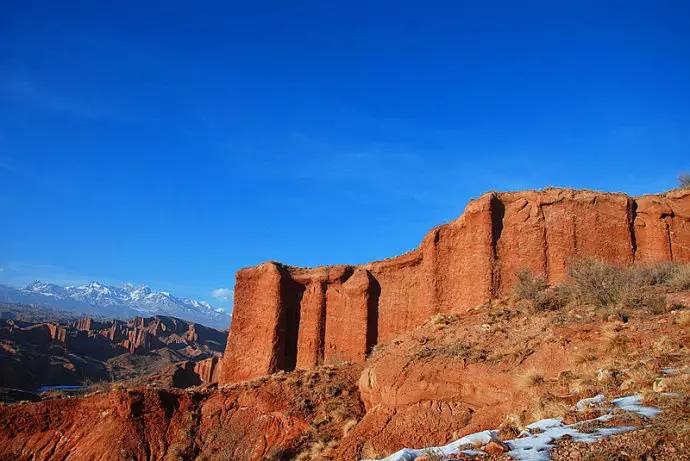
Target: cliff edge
x: 287, y: 317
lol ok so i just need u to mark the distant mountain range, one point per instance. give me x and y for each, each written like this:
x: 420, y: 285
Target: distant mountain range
x: 100, y: 300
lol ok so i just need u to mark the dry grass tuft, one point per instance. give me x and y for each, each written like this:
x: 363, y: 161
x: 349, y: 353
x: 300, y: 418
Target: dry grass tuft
x: 349, y: 425
x: 549, y: 406
x: 530, y: 379
x: 618, y: 343
x: 682, y: 319
x: 583, y: 387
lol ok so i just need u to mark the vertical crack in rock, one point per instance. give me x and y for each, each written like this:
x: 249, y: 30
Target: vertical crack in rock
x: 667, y: 217
x: 498, y: 210
x: 545, y: 239
x: 322, y: 325
x: 372, y: 313
x: 288, y: 330
x: 632, y: 216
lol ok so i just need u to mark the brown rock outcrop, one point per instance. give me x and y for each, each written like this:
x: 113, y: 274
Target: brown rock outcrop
x: 286, y: 317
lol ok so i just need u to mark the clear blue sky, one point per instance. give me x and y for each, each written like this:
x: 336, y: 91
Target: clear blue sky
x: 175, y: 142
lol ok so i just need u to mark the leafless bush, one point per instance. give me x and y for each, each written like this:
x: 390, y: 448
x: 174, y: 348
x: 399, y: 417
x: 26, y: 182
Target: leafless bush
x: 528, y: 285
x: 595, y: 283
x: 684, y: 181
x: 680, y: 280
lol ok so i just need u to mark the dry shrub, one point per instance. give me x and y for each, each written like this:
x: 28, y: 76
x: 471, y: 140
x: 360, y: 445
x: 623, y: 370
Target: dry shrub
x: 663, y: 345
x: 640, y: 377
x: 655, y: 274
x: 534, y: 290
x: 528, y: 286
x: 681, y: 278
x: 684, y: 181
x: 595, y: 283
x: 368, y: 451
x: 96, y: 386
x: 511, y: 426
x: 607, y: 287
x: 616, y: 342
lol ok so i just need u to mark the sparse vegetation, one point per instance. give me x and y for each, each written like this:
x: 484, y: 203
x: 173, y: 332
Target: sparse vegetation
x: 531, y: 378
x: 680, y: 280
x: 606, y: 288
x: 684, y: 181
x: 529, y: 286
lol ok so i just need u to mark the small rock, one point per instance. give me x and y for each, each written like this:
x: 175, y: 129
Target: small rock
x: 659, y: 385
x: 495, y: 447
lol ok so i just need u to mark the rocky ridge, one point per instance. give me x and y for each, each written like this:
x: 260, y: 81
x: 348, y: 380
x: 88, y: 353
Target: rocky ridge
x: 286, y: 317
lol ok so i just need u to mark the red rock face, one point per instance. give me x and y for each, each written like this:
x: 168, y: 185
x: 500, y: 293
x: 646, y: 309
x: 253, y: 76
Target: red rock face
x: 207, y: 369
x: 286, y: 317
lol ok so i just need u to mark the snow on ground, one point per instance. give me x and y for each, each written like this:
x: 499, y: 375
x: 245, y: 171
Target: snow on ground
x: 537, y: 441
x: 633, y: 404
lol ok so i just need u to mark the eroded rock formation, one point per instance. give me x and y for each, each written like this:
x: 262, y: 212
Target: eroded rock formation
x: 33, y: 355
x: 286, y: 317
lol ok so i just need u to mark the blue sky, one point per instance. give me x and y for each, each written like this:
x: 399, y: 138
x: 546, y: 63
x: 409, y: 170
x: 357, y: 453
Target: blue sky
x: 171, y: 143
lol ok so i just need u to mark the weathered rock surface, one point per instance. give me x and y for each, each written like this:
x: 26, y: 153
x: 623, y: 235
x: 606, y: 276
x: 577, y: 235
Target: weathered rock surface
x: 268, y: 420
x: 286, y: 317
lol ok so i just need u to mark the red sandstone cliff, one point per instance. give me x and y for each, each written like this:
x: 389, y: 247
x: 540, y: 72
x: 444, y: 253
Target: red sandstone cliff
x: 286, y: 317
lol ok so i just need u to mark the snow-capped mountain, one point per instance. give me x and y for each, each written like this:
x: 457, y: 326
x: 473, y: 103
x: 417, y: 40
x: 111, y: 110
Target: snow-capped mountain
x: 96, y: 298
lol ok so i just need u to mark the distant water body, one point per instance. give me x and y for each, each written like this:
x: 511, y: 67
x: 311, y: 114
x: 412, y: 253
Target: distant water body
x: 58, y: 388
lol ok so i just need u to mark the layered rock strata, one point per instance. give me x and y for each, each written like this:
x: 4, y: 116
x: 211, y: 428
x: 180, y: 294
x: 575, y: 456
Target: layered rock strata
x: 287, y: 317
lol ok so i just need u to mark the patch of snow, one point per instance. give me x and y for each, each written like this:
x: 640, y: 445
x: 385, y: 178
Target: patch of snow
x: 545, y: 424
x: 537, y: 441
x: 584, y: 404
x: 459, y: 446
x: 537, y: 447
x: 633, y: 404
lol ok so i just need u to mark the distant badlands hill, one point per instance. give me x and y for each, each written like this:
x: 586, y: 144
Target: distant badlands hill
x: 106, y: 301
x: 38, y: 354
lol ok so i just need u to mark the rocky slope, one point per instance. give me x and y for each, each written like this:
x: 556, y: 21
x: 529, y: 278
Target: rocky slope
x: 286, y: 317
x: 107, y: 301
x: 500, y: 365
